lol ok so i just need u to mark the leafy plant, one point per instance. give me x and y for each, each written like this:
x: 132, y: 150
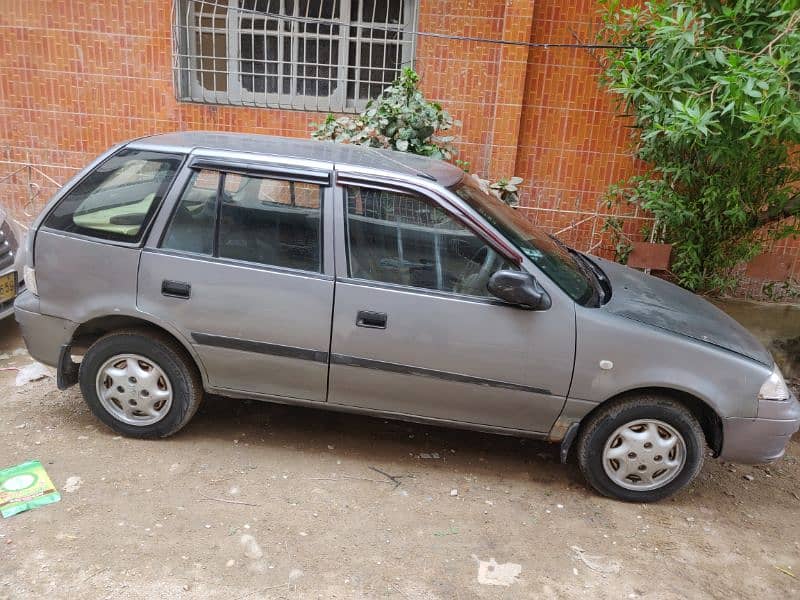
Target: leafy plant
x: 399, y: 119
x: 713, y: 88
x: 621, y: 242
x: 462, y: 164
x: 506, y: 189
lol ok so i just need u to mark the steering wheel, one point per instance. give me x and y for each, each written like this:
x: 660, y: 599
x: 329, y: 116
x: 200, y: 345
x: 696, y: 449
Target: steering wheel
x: 475, y: 283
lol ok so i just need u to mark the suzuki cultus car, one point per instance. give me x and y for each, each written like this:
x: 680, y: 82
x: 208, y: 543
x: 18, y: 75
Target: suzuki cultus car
x: 380, y: 283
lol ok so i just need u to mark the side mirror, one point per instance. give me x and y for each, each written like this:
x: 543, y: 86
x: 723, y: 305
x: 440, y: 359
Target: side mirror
x: 519, y: 288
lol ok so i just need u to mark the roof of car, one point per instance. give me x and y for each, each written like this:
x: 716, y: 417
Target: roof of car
x: 328, y: 152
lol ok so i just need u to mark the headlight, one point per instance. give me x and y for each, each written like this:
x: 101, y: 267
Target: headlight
x: 774, y: 388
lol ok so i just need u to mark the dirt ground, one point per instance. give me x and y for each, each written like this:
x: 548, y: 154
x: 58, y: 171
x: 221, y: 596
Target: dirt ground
x: 255, y: 501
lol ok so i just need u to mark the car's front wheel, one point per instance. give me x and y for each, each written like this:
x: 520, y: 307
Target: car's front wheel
x: 140, y: 383
x: 641, y: 449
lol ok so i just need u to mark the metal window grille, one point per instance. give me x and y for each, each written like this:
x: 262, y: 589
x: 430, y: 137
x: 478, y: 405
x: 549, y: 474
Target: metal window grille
x: 399, y: 208
x: 325, y: 55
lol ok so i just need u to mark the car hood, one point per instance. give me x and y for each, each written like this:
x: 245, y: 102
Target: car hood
x: 661, y: 304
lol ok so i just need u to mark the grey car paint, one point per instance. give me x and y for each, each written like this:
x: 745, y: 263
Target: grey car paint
x: 658, y: 303
x: 238, y: 294
x: 477, y: 364
x: 508, y: 378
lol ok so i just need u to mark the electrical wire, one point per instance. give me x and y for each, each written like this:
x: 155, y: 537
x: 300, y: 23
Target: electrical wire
x: 379, y: 27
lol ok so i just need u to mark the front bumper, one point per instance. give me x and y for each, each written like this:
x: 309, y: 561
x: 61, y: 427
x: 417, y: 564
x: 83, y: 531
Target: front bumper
x: 44, y: 335
x: 763, y: 439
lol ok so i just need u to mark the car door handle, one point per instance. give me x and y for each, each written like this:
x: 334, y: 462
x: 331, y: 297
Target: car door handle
x: 176, y: 289
x: 371, y: 320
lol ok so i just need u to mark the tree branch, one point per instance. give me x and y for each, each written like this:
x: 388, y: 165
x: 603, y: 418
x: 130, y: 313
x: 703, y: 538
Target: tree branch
x: 790, y: 209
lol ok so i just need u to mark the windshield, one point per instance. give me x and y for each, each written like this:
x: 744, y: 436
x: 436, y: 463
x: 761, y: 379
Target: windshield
x: 555, y: 260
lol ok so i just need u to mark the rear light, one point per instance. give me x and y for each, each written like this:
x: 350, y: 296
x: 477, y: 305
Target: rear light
x: 29, y: 275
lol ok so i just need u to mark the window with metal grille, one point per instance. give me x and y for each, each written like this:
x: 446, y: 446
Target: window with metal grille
x: 326, y: 55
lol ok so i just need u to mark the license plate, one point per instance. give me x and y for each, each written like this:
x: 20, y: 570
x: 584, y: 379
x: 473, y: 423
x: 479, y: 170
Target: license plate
x: 8, y: 287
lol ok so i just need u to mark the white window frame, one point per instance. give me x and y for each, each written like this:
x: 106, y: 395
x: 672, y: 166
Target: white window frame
x: 188, y: 69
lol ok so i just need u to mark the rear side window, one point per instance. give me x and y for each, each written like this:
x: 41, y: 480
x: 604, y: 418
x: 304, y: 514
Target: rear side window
x: 271, y: 222
x: 192, y: 226
x: 118, y: 199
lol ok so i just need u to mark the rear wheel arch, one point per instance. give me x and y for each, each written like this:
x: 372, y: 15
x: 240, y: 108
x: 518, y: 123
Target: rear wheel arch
x: 140, y: 382
x: 90, y: 331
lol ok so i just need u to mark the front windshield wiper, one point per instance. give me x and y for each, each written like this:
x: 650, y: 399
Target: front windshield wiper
x: 576, y: 256
x: 602, y: 278
x: 587, y: 268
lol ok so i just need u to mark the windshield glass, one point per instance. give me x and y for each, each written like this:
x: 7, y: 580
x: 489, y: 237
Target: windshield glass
x: 555, y: 260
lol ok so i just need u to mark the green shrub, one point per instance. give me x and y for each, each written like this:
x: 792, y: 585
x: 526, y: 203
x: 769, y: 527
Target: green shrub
x: 713, y: 88
x: 400, y: 119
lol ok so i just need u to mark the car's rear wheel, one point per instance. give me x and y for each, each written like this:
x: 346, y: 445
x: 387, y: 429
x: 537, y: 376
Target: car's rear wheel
x: 641, y: 449
x: 140, y: 383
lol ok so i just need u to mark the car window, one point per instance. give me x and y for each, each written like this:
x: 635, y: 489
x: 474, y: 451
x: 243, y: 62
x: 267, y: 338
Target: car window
x: 117, y: 199
x: 545, y: 252
x: 400, y: 238
x: 192, y: 225
x: 271, y: 222
x: 261, y: 220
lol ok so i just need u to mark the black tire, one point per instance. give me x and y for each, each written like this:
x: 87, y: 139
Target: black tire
x: 595, y: 432
x: 171, y: 357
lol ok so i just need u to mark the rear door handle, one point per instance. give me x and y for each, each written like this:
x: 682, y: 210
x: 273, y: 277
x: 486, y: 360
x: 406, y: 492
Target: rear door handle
x: 371, y: 320
x: 176, y: 289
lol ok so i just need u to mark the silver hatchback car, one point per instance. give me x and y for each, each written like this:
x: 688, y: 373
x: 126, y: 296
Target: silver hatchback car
x: 380, y: 283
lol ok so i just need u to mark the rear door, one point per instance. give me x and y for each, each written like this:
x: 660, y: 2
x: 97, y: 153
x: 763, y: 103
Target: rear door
x: 416, y: 332
x: 240, y: 270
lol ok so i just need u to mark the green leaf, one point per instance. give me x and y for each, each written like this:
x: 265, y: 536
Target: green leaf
x: 716, y: 119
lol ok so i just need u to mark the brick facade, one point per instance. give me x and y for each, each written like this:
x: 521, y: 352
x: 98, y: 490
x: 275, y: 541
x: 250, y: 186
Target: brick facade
x: 76, y: 77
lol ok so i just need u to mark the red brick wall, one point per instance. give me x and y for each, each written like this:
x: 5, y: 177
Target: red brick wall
x: 76, y: 77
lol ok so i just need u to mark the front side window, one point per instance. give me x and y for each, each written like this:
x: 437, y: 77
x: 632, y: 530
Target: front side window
x: 404, y: 239
x: 327, y: 55
x: 118, y: 199
x: 271, y: 222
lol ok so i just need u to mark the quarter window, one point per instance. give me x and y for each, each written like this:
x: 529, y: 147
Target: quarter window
x: 118, y: 199
x: 327, y: 55
x: 404, y: 239
x: 261, y: 220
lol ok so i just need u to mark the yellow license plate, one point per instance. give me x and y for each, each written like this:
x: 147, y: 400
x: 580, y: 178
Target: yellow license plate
x: 8, y: 287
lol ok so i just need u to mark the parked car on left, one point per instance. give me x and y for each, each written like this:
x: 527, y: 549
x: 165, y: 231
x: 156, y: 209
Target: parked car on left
x: 12, y: 262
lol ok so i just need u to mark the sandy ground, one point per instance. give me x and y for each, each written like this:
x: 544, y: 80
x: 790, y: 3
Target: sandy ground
x: 259, y: 501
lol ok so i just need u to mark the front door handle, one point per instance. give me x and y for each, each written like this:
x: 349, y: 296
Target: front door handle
x: 176, y: 289
x: 371, y: 320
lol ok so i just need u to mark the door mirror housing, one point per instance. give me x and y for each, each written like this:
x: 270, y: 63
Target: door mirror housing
x: 520, y: 289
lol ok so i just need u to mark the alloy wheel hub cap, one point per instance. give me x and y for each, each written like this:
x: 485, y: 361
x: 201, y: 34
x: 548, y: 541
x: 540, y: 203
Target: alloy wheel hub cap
x: 134, y: 389
x: 645, y: 454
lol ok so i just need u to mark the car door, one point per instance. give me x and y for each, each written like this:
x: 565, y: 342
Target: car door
x: 240, y: 271
x: 415, y: 331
